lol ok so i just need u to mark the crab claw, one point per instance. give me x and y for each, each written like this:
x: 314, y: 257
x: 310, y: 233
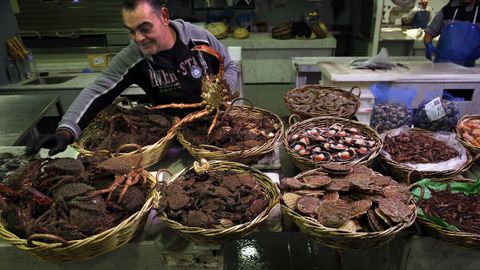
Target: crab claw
x: 211, y: 51
x: 8, y: 191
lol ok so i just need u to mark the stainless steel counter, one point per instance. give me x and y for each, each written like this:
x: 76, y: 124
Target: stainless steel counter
x: 21, y: 113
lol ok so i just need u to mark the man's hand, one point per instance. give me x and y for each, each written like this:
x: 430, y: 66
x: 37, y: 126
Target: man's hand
x: 429, y: 50
x: 55, y: 142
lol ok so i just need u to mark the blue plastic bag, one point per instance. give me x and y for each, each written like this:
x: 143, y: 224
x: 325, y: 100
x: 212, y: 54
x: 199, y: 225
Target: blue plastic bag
x: 392, y: 108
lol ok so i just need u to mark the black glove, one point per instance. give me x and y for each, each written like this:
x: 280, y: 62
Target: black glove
x: 55, y: 142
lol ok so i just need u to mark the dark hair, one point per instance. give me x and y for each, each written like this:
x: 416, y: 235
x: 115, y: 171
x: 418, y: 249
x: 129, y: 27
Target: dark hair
x: 132, y: 4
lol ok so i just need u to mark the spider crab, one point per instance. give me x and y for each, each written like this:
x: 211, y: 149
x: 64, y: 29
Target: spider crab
x: 128, y: 172
x: 215, y: 94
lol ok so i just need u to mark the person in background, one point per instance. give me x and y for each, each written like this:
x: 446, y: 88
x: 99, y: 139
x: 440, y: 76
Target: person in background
x: 458, y: 24
x: 419, y: 16
x: 159, y: 59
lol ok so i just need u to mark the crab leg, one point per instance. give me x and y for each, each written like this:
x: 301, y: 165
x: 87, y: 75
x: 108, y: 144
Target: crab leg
x: 131, y: 180
x: 176, y: 106
x: 190, y: 118
x: 110, y: 189
x: 8, y: 191
x: 215, y: 119
x: 211, y: 51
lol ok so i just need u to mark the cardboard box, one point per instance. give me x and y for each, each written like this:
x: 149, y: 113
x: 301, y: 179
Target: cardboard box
x: 99, y: 60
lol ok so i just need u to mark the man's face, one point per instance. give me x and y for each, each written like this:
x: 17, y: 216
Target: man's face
x: 424, y: 3
x: 148, y: 28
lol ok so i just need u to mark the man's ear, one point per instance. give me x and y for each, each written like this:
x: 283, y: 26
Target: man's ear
x: 164, y: 15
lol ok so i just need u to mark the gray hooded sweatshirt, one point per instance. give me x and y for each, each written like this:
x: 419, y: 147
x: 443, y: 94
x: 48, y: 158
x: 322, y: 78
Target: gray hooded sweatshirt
x: 175, y: 78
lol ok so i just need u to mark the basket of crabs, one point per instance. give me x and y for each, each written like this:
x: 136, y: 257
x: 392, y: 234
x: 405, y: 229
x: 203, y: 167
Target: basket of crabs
x: 69, y: 209
x: 410, y: 154
x: 319, y: 140
x: 309, y: 101
x: 347, y: 207
x: 119, y: 124
x: 216, y: 200
x: 449, y: 209
x: 240, y: 133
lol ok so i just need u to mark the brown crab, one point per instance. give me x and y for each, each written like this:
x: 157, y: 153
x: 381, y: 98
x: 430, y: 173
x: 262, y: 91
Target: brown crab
x: 128, y: 172
x: 215, y: 95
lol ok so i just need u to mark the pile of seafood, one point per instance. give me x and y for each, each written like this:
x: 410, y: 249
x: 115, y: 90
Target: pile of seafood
x: 70, y: 198
x: 235, y: 131
x: 317, y: 100
x: 458, y: 209
x: 116, y: 126
x: 416, y: 147
x: 386, y: 116
x: 334, y: 143
x: 469, y: 129
x: 9, y: 163
x: 348, y: 198
x: 447, y: 122
x: 214, y: 199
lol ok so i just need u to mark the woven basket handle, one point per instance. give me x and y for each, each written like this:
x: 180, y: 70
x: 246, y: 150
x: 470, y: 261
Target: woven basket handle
x: 291, y: 119
x: 359, y: 90
x: 51, y: 237
x: 127, y: 145
x: 409, y: 176
x: 157, y: 175
x: 422, y: 192
x: 246, y: 99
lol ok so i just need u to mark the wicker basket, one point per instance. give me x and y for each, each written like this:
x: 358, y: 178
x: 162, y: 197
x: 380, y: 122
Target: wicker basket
x: 149, y: 154
x: 202, y: 235
x: 251, y: 155
x: 403, y: 173
x: 462, y: 239
x: 87, y: 248
x: 475, y: 150
x: 306, y: 164
x: 316, y: 88
x: 336, y: 238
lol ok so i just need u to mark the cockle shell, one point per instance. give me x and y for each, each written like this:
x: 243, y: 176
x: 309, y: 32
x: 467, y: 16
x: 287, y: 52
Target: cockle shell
x: 325, y: 156
x: 351, y: 226
x: 290, y: 199
x: 298, y: 147
x: 305, y: 140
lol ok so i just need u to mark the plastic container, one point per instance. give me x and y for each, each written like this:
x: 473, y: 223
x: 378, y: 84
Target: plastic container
x: 31, y: 70
x: 11, y: 71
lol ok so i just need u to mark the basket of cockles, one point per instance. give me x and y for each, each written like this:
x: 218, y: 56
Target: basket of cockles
x: 347, y: 207
x: 319, y: 140
x: 68, y: 209
x: 214, y: 201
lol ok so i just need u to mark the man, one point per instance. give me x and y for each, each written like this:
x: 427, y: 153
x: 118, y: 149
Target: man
x: 458, y: 24
x: 159, y: 59
x: 419, y: 16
